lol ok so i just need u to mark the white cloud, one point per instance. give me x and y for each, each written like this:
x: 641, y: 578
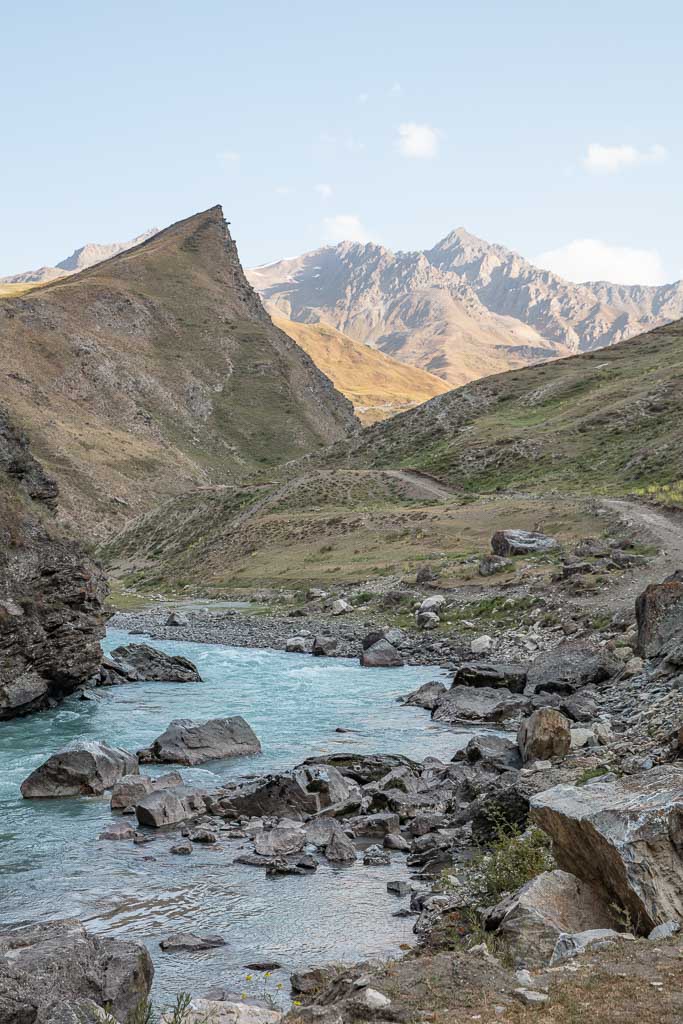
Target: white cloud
x: 608, y: 159
x: 418, y: 141
x: 345, y: 227
x: 589, y: 259
x: 229, y: 157
x: 324, y: 190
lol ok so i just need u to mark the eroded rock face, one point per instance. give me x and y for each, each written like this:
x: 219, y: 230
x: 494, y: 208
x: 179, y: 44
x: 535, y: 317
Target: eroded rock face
x: 308, y: 789
x: 190, y: 742
x: 140, y: 661
x: 569, y: 667
x: 83, y: 768
x: 521, y: 542
x: 624, y: 836
x: 659, y: 614
x: 51, y: 594
x: 45, y: 965
x: 544, y: 735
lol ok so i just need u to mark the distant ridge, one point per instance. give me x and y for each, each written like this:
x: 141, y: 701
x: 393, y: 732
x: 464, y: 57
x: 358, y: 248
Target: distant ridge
x: 87, y: 256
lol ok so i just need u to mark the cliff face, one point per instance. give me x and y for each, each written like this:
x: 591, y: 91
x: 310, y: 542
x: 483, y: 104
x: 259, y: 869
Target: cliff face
x: 51, y: 593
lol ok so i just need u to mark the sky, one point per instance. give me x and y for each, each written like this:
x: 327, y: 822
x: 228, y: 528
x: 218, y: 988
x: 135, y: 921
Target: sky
x: 554, y: 129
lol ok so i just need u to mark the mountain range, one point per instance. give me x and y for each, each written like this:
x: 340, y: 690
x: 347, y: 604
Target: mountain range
x: 80, y: 259
x: 461, y: 310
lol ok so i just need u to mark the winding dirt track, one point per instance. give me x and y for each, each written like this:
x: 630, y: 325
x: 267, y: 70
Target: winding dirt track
x: 660, y: 528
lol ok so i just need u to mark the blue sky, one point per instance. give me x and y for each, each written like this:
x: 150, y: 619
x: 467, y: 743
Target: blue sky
x: 554, y: 129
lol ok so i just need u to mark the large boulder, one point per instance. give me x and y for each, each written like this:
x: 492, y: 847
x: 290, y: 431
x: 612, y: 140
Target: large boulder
x: 493, y: 674
x: 83, y: 768
x: 479, y: 704
x: 308, y: 789
x: 426, y: 696
x: 382, y: 654
x: 493, y: 751
x: 543, y: 735
x: 549, y: 905
x: 325, y: 646
x: 521, y: 542
x: 659, y: 614
x: 435, y: 604
x: 187, y: 741
x: 129, y: 790
x: 279, y: 841
x: 341, y: 607
x: 427, y: 620
x: 46, y: 965
x: 569, y: 667
x: 140, y: 661
x: 626, y: 836
x: 170, y: 806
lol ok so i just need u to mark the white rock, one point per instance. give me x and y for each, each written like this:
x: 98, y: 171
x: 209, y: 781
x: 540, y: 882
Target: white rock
x: 433, y: 604
x: 341, y: 607
x: 481, y: 644
x: 218, y: 1012
x: 373, y: 999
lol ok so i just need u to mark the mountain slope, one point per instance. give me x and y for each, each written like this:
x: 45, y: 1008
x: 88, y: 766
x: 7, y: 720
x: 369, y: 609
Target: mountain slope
x: 156, y: 372
x: 87, y: 256
x: 461, y: 310
x: 377, y: 385
x: 600, y: 422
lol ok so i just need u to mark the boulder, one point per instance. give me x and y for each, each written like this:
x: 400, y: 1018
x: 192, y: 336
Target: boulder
x: 426, y: 696
x: 482, y: 704
x: 365, y: 768
x: 52, y: 962
x: 279, y: 841
x: 569, y: 946
x: 176, y: 618
x: 325, y: 646
x: 544, y: 735
x: 341, y: 607
x: 569, y: 667
x: 297, y: 645
x: 308, y: 789
x: 521, y: 542
x: 427, y: 620
x: 532, y: 920
x: 191, y: 742
x: 426, y: 574
x: 381, y: 655
x: 498, y: 752
x: 481, y: 644
x: 118, y: 830
x: 170, y: 806
x: 375, y: 856
x: 659, y: 614
x: 340, y: 849
x: 298, y: 864
x: 435, y: 604
x: 625, y: 836
x: 140, y: 661
x: 190, y: 941
x: 380, y: 824
x: 226, y: 1011
x: 129, y: 790
x: 489, y: 565
x: 83, y: 768
x: 492, y: 674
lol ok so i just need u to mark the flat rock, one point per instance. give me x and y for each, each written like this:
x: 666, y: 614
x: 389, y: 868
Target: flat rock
x: 190, y: 941
x: 191, y: 742
x: 171, y: 806
x: 140, y: 661
x: 479, y: 704
x: 83, y: 768
x: 495, y: 675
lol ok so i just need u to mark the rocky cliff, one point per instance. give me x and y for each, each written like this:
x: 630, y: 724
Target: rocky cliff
x: 51, y: 592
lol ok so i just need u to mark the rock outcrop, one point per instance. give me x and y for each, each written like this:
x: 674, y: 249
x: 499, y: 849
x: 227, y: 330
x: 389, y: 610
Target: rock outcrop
x: 170, y: 806
x: 543, y: 735
x: 190, y: 742
x: 521, y: 542
x: 659, y: 613
x: 83, y: 768
x: 140, y: 661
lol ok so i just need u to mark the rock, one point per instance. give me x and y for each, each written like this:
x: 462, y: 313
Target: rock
x: 308, y: 789
x: 225, y: 1011
x: 427, y: 620
x: 340, y: 849
x: 633, y: 667
x: 381, y: 824
x: 625, y: 837
x: 182, y: 849
x: 171, y: 806
x: 399, y: 888
x: 279, y: 841
x: 570, y: 666
x: 481, y: 644
x: 499, y: 752
x: 481, y: 704
x: 83, y: 768
x: 59, y: 960
x: 582, y: 738
x: 375, y: 855
x: 568, y: 946
x: 130, y: 789
x: 580, y: 707
x: 316, y: 594
x: 659, y: 614
x: 426, y: 696
x: 373, y: 1000
x: 140, y: 661
x: 435, y: 604
x: 396, y: 842
x: 117, y: 830
x: 491, y: 674
x: 521, y: 542
x: 555, y: 902
x: 301, y: 864
x: 204, y: 835
x: 177, y: 618
x: 297, y: 645
x: 665, y: 931
x: 544, y: 735
x: 341, y: 607
x: 263, y: 965
x: 381, y: 655
x: 528, y: 997
x: 325, y: 646
x: 190, y: 941
x: 191, y: 742
x: 426, y: 574
x: 489, y: 565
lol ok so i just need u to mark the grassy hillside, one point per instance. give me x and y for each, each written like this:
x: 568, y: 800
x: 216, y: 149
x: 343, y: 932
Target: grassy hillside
x: 604, y: 422
x: 156, y: 372
x: 377, y: 385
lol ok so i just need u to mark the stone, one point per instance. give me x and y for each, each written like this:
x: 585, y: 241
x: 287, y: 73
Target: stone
x: 206, y: 836
x: 426, y: 696
x: 521, y: 542
x: 177, y: 618
x: 426, y: 574
x: 325, y: 646
x: 665, y: 931
x: 396, y: 842
x: 480, y: 704
x: 226, y: 1011
x: 569, y: 946
x: 544, y: 735
x: 434, y: 604
x: 49, y: 961
x: 570, y: 666
x: 316, y: 594
x: 399, y: 888
x: 624, y: 836
x: 381, y: 655
x: 83, y: 768
x: 308, y: 789
x: 340, y: 849
x: 130, y: 789
x: 381, y: 824
x: 182, y: 849
x: 490, y: 565
x: 190, y: 941
x: 170, y: 806
x: 582, y: 738
x: 374, y: 855
x: 191, y: 742
x: 117, y: 830
x: 499, y: 752
x: 659, y: 614
x: 555, y: 902
x: 373, y: 1000
x: 481, y: 644
x: 297, y: 645
x: 140, y: 661
x: 279, y: 841
x: 301, y: 864
x: 528, y: 997
x: 341, y: 607
x: 491, y: 674
x: 427, y: 620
